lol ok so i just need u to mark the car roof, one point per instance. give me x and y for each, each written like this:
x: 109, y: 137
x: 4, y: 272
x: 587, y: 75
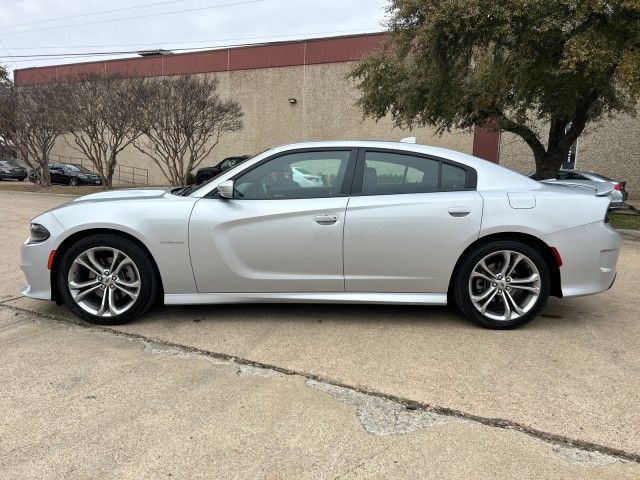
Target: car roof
x: 445, y: 153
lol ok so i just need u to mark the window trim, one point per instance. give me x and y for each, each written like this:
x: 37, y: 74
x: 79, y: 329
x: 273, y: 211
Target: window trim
x: 345, y: 188
x: 471, y: 183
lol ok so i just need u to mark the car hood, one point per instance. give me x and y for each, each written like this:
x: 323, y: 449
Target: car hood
x: 124, y: 194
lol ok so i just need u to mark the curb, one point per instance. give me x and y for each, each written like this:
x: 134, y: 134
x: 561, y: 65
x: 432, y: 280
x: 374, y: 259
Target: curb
x: 629, y: 234
x: 39, y: 193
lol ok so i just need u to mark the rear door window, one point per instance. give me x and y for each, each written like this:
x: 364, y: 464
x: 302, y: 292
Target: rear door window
x: 389, y: 173
x: 392, y: 173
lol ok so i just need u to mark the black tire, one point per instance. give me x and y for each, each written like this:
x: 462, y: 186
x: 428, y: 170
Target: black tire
x: 149, y: 283
x: 21, y: 179
x: 73, y: 182
x: 462, y: 292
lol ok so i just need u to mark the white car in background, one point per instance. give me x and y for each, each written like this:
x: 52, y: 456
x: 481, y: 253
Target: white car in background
x: 306, y: 178
x: 591, y: 180
x: 394, y: 223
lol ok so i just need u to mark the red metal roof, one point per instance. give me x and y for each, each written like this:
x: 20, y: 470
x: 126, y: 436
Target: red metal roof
x: 270, y: 55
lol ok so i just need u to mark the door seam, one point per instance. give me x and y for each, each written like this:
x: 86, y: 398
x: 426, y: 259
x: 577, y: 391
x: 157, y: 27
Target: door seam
x: 344, y: 227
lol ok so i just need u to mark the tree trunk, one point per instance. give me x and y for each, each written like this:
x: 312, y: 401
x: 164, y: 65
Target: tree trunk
x: 111, y: 168
x: 45, y: 176
x: 547, y: 165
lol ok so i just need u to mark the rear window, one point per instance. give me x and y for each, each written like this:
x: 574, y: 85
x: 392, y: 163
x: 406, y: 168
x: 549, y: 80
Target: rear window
x: 597, y: 175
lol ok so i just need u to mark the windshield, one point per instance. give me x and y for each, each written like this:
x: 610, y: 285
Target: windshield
x: 235, y: 163
x: 75, y: 168
x: 9, y: 163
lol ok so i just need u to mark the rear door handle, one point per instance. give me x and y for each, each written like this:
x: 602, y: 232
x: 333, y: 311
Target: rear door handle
x: 459, y: 211
x: 326, y: 219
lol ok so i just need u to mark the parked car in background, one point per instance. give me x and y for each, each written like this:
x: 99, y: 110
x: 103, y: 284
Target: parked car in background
x: 391, y: 223
x: 306, y: 178
x: 207, y: 173
x: 12, y: 170
x: 590, y: 179
x: 67, y: 174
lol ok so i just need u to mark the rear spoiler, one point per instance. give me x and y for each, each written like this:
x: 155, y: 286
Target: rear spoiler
x: 602, y: 190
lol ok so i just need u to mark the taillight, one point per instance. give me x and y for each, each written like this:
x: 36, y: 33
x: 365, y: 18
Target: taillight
x: 617, y: 187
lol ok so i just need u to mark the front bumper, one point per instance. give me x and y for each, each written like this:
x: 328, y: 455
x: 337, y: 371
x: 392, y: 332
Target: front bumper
x: 589, y: 255
x: 34, y: 258
x: 90, y: 181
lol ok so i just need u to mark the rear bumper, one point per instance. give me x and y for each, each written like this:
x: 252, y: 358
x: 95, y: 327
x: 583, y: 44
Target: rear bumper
x: 589, y: 255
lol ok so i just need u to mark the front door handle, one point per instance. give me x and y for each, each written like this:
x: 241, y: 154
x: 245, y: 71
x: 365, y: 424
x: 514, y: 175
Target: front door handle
x: 326, y: 219
x: 459, y: 211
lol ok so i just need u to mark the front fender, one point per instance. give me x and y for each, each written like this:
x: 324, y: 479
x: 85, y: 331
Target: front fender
x: 161, y: 225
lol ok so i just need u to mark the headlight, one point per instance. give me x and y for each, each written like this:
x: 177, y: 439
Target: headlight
x: 38, y: 233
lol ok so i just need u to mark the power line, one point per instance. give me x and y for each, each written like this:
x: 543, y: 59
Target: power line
x: 166, y: 2
x: 174, y: 12
x: 65, y: 55
x: 180, y: 42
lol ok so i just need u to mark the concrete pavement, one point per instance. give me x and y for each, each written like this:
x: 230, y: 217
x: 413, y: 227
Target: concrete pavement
x: 17, y: 209
x: 84, y: 404
x: 573, y: 373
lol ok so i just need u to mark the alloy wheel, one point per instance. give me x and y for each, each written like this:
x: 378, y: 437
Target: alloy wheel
x: 104, y: 281
x: 504, y: 285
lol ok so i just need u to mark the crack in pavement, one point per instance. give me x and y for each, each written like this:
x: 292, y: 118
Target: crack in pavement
x: 380, y: 416
x: 383, y: 417
x: 373, y: 414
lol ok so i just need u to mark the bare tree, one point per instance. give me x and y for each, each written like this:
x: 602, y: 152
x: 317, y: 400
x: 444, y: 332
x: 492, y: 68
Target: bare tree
x: 102, y: 112
x: 183, y: 120
x: 7, y: 113
x: 30, y: 123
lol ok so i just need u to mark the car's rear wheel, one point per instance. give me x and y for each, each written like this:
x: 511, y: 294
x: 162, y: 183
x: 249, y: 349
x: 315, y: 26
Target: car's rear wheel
x: 107, y: 279
x: 503, y: 284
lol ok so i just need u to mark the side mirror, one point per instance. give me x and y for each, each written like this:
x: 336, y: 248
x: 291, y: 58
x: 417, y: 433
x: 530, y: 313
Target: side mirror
x: 225, y: 189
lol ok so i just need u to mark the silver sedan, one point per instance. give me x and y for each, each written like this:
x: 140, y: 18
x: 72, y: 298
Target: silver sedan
x: 386, y: 223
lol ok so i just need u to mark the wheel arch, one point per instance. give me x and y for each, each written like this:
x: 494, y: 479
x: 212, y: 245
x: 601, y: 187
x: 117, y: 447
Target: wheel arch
x: 531, y: 240
x: 68, y: 242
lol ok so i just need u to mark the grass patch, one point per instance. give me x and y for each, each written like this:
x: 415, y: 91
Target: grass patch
x: 624, y: 221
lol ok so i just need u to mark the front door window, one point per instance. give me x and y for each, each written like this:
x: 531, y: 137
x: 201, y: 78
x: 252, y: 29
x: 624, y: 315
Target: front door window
x: 296, y: 175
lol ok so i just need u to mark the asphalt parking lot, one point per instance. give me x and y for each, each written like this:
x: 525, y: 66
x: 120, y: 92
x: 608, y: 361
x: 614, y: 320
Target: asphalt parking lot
x: 282, y: 391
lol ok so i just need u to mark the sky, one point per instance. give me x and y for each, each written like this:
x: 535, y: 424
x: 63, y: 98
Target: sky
x: 61, y: 27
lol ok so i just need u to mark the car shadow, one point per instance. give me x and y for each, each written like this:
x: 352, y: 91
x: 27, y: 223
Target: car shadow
x: 554, y: 314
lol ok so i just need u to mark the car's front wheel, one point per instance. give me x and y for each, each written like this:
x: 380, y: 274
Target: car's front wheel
x: 107, y: 279
x: 73, y: 182
x: 502, y: 284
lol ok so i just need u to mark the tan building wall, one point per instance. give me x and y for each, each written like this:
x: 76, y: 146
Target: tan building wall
x: 325, y: 110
